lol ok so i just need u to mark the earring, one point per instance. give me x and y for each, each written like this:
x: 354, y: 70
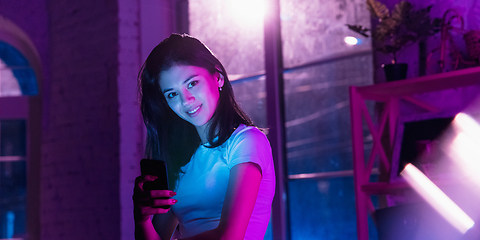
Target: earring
x: 220, y: 89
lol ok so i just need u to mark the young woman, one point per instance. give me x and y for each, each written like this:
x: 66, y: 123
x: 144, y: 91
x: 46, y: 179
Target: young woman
x: 220, y: 166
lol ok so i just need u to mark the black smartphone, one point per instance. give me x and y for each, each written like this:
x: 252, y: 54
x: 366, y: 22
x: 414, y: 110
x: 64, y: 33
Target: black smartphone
x: 155, y: 168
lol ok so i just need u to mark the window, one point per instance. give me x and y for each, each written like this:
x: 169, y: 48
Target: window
x: 319, y: 67
x: 16, y: 76
x: 13, y: 179
x: 20, y: 69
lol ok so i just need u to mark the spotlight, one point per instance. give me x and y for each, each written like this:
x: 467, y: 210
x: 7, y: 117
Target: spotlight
x: 437, y: 199
x: 349, y: 40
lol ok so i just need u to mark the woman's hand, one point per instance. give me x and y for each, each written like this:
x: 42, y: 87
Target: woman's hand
x: 147, y: 203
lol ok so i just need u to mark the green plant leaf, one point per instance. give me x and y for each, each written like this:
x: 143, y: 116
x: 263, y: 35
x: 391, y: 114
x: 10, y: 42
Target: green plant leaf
x: 385, y: 29
x: 401, y: 11
x: 390, y: 24
x: 378, y: 9
x: 359, y: 29
x: 421, y: 24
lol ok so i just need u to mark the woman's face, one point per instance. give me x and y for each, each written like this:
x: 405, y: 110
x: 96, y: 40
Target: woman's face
x: 191, y: 92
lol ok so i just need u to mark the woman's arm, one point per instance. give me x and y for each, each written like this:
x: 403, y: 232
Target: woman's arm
x: 238, y: 206
x: 161, y: 227
x: 165, y: 224
x: 144, y: 231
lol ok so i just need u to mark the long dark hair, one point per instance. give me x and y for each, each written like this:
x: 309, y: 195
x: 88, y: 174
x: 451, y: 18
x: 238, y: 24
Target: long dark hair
x: 168, y: 136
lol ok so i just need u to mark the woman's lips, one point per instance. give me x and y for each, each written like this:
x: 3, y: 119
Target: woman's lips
x: 194, y: 111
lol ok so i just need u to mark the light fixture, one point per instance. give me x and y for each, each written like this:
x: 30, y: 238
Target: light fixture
x: 351, y: 41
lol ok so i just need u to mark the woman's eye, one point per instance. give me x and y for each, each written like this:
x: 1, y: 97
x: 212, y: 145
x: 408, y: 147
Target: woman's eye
x: 192, y: 84
x: 171, y: 95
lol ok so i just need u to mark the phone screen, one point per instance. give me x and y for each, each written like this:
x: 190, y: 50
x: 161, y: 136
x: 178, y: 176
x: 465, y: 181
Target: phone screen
x: 155, y: 168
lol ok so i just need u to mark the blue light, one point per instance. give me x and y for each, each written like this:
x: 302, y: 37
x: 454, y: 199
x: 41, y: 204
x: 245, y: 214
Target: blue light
x: 10, y: 217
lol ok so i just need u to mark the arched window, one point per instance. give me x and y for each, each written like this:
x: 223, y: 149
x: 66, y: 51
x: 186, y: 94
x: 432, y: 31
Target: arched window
x: 16, y: 75
x: 20, y: 70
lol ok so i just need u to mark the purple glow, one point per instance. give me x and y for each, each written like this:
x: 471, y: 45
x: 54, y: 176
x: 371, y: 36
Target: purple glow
x: 464, y: 150
x: 437, y: 199
x: 247, y: 12
x: 465, y: 153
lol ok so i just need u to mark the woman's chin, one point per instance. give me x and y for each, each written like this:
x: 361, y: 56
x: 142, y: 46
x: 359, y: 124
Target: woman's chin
x: 199, y: 123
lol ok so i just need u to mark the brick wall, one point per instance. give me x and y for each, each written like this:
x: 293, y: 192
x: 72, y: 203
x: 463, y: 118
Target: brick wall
x: 80, y: 167
x: 142, y: 25
x: 130, y: 121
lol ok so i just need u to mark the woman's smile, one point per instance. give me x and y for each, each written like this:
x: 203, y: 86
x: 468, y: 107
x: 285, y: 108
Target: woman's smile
x: 193, y: 112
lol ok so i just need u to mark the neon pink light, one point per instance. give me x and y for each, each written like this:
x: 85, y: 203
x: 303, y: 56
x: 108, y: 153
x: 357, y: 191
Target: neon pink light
x: 437, y: 199
x: 468, y: 125
x: 464, y: 149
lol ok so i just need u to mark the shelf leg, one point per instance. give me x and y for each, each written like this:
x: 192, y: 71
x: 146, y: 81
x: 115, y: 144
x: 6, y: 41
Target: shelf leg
x: 361, y: 199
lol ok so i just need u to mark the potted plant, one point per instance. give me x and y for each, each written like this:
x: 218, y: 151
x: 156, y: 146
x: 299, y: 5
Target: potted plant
x: 396, y: 30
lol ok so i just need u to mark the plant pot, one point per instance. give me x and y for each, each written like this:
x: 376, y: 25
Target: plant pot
x: 396, y: 71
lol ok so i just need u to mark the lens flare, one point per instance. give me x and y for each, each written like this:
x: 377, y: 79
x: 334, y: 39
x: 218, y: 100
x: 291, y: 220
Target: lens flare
x: 437, y: 199
x: 465, y: 123
x: 466, y: 154
x: 247, y: 12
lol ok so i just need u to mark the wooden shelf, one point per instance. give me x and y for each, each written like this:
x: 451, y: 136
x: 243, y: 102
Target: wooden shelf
x: 431, y: 83
x: 390, y: 94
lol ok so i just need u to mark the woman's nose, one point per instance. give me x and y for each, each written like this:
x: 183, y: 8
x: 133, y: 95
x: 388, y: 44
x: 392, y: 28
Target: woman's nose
x: 187, y: 98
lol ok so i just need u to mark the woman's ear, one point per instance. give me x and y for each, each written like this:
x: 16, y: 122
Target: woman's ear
x: 220, y: 79
x: 219, y: 76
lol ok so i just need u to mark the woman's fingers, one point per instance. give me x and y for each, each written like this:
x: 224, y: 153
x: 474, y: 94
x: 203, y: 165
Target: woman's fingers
x: 150, y: 177
x: 153, y: 202
x: 162, y: 194
x: 138, y: 188
x: 147, y: 203
x: 153, y: 198
x: 148, y: 211
x: 143, y: 178
x: 160, y: 202
x: 144, y: 196
x: 156, y: 206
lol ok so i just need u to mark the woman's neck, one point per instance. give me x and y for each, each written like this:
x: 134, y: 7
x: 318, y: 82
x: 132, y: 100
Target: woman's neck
x: 203, y: 133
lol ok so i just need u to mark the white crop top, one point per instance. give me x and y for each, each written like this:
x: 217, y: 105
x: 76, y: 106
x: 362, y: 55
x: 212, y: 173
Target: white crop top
x: 201, y: 189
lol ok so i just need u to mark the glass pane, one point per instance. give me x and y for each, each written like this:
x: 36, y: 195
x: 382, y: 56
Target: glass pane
x: 324, y: 209
x: 316, y: 29
x: 317, y: 111
x: 233, y: 30
x: 12, y: 199
x: 250, y: 95
x: 16, y: 76
x: 12, y: 138
x: 8, y: 82
x: 318, y: 114
x: 13, y: 179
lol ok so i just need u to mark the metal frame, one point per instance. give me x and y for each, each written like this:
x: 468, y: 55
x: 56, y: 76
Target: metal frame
x: 391, y: 94
x: 276, y: 117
